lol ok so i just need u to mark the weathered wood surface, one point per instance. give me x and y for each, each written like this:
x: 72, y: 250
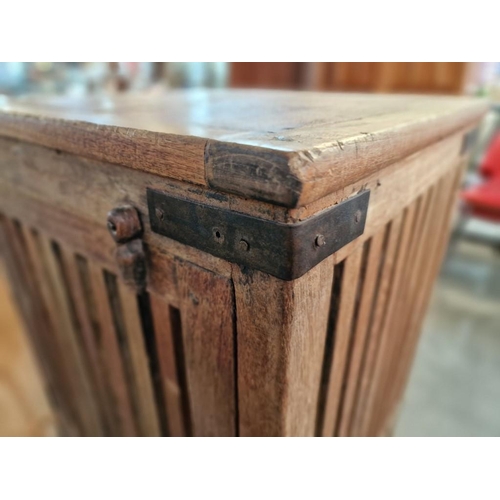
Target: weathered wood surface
x: 25, y: 407
x: 211, y: 348
x: 342, y: 324
x: 208, y: 331
x: 73, y: 212
x: 287, y: 148
x: 281, y: 331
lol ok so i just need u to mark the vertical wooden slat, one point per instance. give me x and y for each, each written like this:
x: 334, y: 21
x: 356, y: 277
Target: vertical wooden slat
x: 379, y: 368
x: 70, y: 339
x: 413, y: 230
x: 92, y: 349
x: 114, y: 369
x: 281, y: 340
x: 361, y: 331
x: 342, y: 335
x: 26, y: 289
x: 412, y: 278
x: 382, y: 294
x: 207, y: 313
x: 148, y: 422
x: 445, y: 208
x: 174, y: 391
x: 61, y: 339
x: 50, y: 350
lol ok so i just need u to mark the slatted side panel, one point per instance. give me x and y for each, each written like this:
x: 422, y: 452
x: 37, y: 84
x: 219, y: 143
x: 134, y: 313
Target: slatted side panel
x: 27, y: 291
x: 120, y: 364
x: 436, y: 246
x: 379, y: 298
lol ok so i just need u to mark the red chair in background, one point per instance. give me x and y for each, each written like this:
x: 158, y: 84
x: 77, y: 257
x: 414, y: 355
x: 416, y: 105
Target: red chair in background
x: 483, y: 200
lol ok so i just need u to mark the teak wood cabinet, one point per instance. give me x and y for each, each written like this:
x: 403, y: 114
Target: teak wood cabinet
x: 228, y: 263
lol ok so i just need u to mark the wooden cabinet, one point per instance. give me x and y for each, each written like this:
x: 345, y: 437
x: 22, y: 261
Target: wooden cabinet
x: 224, y: 263
x: 410, y: 77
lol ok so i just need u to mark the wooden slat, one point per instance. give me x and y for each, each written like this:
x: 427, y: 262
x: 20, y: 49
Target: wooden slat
x: 415, y: 230
x: 362, y: 327
x: 406, y: 307
x: 175, y: 397
x: 57, y: 339
x: 63, y: 313
x: 412, y: 322
x: 88, y: 334
x: 414, y: 227
x: 27, y: 293
x: 113, y: 362
x: 402, y: 369
x: 50, y: 349
x: 342, y: 335
x: 382, y: 294
x: 281, y: 340
x: 207, y: 314
x: 148, y: 422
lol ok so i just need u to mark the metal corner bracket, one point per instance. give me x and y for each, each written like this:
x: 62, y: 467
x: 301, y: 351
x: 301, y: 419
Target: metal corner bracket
x: 286, y: 251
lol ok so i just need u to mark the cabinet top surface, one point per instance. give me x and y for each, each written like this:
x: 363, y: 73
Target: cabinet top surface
x: 313, y: 137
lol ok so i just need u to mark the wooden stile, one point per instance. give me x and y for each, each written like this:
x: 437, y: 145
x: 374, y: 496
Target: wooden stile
x: 207, y: 319
x: 139, y: 334
x: 286, y: 323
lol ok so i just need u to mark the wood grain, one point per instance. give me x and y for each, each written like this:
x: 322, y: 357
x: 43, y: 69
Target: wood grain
x: 24, y: 406
x: 343, y: 326
x: 414, y: 225
x: 326, y: 141
x: 362, y: 327
x: 114, y: 369
x: 281, y: 339
x: 211, y: 348
x: 392, y: 234
x: 79, y: 208
x: 206, y: 307
x: 175, y: 397
x: 69, y: 338
x: 89, y: 347
x: 446, y: 207
x: 148, y: 421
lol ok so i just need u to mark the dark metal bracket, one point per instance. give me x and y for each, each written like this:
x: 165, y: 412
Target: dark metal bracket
x: 286, y: 251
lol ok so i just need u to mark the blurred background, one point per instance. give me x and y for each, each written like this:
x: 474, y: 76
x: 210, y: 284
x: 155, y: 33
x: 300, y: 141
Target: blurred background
x: 426, y: 77
x: 454, y: 389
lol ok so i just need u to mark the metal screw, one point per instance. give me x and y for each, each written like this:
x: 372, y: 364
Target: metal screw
x: 320, y: 241
x: 159, y: 213
x: 357, y: 216
x: 244, y: 246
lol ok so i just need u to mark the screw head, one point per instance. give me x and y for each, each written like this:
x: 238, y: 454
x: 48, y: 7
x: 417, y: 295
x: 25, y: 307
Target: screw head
x: 320, y: 241
x: 357, y: 216
x: 244, y: 246
x: 159, y: 213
